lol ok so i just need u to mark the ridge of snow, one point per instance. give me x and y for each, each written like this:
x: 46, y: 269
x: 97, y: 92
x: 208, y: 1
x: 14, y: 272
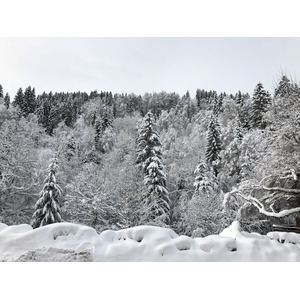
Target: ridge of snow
x: 74, y: 242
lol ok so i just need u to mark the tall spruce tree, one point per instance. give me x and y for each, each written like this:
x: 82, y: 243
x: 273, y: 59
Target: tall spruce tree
x: 19, y: 98
x: 239, y: 99
x: 70, y: 111
x: 198, y: 98
x: 101, y: 123
x: 213, y: 147
x: 71, y: 148
x: 260, y: 102
x: 47, y: 209
x: 284, y: 87
x: 1, y: 91
x: 148, y: 141
x: 217, y: 105
x: 7, y: 100
x: 285, y: 97
x: 156, y: 204
x: 29, y: 102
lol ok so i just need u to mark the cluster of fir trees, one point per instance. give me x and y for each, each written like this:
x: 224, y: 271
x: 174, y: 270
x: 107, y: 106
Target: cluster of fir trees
x: 225, y: 138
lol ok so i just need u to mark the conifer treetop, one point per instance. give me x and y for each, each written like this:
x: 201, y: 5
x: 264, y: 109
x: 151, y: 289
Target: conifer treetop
x: 47, y: 209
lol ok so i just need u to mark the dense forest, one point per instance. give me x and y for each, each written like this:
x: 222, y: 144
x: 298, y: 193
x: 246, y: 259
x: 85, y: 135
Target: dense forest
x: 193, y: 163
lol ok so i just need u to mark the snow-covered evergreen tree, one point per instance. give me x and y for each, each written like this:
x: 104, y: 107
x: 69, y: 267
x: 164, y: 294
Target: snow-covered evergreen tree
x: 213, y: 147
x: 204, y: 215
x: 260, y: 102
x: 230, y: 160
x: 238, y: 130
x: 283, y: 88
x: 156, y: 203
x: 1, y: 91
x: 71, y: 148
x: 103, y: 133
x: 7, y: 100
x: 148, y: 141
x: 155, y: 207
x: 244, y: 112
x: 29, y: 101
x: 217, y: 104
x: 19, y: 98
x: 53, y: 116
x: 70, y: 110
x: 286, y: 96
x: 205, y: 181
x: 47, y: 208
x: 239, y: 98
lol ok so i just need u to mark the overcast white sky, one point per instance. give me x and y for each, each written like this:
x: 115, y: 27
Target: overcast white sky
x: 142, y: 65
x: 115, y: 63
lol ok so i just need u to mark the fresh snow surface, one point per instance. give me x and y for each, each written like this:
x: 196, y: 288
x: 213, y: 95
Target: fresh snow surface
x: 73, y: 242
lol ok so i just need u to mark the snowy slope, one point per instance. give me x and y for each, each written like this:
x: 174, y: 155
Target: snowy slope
x: 73, y: 242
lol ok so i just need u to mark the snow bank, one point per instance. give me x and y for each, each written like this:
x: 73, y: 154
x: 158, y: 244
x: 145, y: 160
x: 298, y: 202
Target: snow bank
x: 73, y: 242
x: 17, y: 240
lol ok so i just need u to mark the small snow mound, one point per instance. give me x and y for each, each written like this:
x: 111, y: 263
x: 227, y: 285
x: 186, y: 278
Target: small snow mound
x: 16, y: 229
x: 71, y: 230
x: 140, y: 243
x: 233, y: 231
x: 215, y: 243
x: 138, y: 233
x: 285, y: 237
x: 183, y: 243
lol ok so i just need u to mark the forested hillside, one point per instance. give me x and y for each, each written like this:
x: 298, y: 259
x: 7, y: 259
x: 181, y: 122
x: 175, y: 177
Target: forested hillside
x: 111, y: 161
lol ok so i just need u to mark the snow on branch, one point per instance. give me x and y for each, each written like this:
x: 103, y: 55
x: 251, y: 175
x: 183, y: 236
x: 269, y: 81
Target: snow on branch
x: 279, y: 189
x: 259, y: 205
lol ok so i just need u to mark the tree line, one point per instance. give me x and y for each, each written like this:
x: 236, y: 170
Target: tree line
x: 194, y: 164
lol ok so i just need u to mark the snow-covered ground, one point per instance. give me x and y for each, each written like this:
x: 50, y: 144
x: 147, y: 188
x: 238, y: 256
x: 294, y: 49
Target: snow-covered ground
x: 73, y: 242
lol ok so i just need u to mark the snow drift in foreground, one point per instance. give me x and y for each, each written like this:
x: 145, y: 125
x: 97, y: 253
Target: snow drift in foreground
x: 73, y: 242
